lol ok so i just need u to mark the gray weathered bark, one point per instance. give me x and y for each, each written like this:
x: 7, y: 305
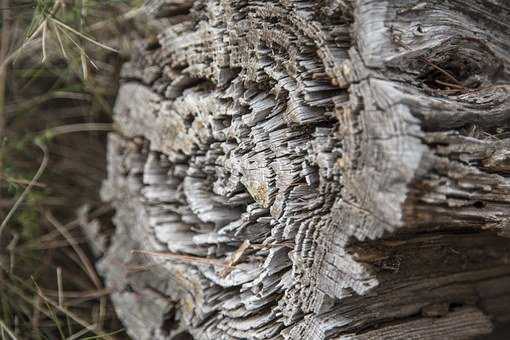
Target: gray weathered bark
x: 320, y: 169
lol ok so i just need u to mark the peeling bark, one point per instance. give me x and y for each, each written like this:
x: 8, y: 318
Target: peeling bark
x: 334, y: 169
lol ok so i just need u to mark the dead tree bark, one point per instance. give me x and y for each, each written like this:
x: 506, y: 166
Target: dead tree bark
x: 314, y: 169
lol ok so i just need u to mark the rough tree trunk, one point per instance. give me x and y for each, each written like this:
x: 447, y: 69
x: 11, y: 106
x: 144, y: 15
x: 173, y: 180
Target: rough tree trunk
x: 314, y: 169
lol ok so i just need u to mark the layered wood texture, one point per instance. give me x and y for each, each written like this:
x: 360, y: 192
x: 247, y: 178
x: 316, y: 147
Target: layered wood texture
x: 311, y: 170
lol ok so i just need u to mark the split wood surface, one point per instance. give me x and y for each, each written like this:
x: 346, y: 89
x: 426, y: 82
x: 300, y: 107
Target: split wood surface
x: 324, y: 169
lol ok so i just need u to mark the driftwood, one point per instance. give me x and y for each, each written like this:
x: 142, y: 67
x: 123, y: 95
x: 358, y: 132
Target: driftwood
x: 334, y: 169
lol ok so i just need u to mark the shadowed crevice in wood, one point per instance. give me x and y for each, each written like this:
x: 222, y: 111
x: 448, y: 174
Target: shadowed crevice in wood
x: 313, y: 170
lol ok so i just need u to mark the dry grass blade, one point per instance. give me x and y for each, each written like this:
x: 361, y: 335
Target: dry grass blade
x: 33, y: 36
x: 36, y: 314
x: 234, y: 259
x: 84, y: 66
x: 83, y: 55
x: 29, y: 187
x: 84, y: 36
x: 49, y: 21
x: 141, y: 268
x: 49, y: 237
x: 183, y: 258
x: 60, y: 42
x: 92, y: 328
x: 21, y: 181
x: 78, y: 334
x: 455, y: 86
x: 271, y: 245
x: 60, y: 287
x: 9, y: 332
x: 33, y: 43
x: 27, y: 47
x: 83, y: 58
x: 11, y: 247
x: 431, y: 64
x: 40, y: 28
x: 44, y: 33
x: 81, y: 127
x: 52, y: 244
x: 4, y: 50
x: 92, y: 294
x: 83, y: 258
x: 443, y: 71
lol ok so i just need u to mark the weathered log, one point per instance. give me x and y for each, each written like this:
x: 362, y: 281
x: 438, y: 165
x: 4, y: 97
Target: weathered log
x: 334, y: 169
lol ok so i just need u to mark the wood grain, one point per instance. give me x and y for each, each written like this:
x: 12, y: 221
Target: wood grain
x: 362, y: 145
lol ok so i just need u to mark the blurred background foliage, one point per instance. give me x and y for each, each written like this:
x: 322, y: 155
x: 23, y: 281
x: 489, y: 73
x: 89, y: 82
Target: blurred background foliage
x: 59, y: 68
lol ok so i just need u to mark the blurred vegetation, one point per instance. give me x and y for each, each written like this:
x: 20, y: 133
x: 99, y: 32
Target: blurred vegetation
x: 59, y: 66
